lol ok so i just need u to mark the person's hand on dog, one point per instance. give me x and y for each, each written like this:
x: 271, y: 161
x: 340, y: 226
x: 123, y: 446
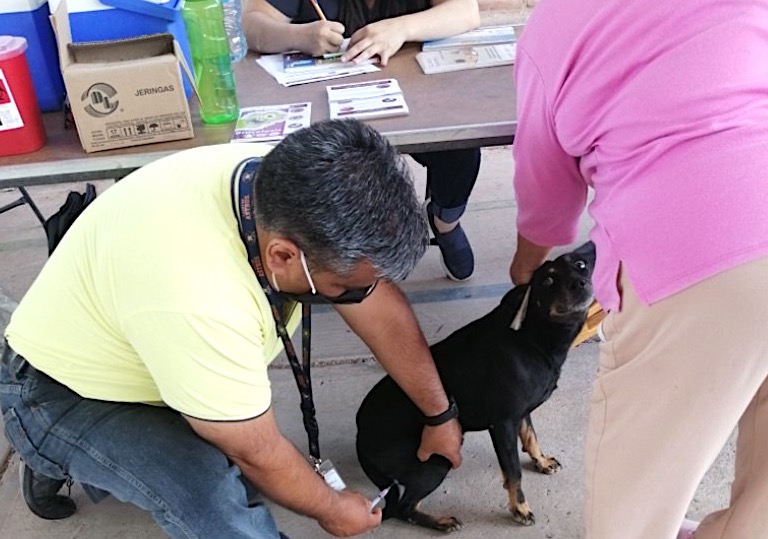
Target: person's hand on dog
x: 527, y: 258
x: 352, y: 515
x: 444, y: 440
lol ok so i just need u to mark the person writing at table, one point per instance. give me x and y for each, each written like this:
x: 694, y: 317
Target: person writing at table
x: 137, y: 362
x: 379, y: 28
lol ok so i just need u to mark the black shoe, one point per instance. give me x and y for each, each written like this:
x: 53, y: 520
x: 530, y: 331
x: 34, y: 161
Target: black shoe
x: 41, y: 494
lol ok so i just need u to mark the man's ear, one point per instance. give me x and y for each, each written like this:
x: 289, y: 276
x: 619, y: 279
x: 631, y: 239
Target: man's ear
x: 280, y: 254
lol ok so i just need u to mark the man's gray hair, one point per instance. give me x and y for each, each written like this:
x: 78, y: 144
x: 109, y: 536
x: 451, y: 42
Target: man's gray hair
x: 344, y: 195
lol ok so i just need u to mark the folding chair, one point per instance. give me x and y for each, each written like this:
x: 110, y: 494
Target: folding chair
x: 25, y: 198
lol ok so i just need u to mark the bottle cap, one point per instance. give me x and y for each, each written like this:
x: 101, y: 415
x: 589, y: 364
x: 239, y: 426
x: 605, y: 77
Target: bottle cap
x: 11, y: 46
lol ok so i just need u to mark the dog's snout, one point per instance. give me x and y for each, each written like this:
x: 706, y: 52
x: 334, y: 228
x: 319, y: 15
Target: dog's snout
x: 579, y: 284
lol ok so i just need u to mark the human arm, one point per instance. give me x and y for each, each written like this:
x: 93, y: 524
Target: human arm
x: 282, y: 474
x: 384, y: 38
x: 224, y: 392
x: 268, y: 30
x: 388, y: 326
x: 549, y: 188
x: 528, y: 256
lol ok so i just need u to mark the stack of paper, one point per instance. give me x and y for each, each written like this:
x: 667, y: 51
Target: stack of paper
x: 293, y: 68
x: 468, y: 57
x: 271, y: 122
x: 299, y: 62
x: 366, y: 100
x: 273, y: 64
x: 489, y: 35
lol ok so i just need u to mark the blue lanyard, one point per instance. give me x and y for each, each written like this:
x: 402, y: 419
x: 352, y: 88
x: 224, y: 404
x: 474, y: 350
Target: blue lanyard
x: 246, y: 179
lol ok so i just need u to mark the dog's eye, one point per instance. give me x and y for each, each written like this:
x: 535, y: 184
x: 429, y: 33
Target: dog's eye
x: 549, y: 281
x: 580, y: 264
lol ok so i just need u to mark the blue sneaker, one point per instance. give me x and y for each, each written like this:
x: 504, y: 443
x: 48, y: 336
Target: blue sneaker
x: 456, y: 252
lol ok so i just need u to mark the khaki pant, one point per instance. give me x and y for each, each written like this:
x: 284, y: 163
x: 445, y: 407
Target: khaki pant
x: 675, y: 380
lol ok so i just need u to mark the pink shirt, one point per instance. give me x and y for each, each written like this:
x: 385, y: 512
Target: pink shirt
x: 662, y: 109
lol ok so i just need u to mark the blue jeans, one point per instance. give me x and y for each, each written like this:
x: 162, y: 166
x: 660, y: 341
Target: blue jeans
x: 146, y: 455
x: 451, y: 175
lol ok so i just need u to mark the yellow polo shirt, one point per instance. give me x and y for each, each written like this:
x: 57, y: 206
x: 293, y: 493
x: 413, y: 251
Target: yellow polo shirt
x: 150, y: 296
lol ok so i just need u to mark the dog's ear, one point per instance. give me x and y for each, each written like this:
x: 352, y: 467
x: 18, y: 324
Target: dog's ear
x: 587, y: 252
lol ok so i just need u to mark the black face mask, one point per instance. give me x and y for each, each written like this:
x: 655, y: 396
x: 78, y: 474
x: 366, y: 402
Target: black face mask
x: 356, y: 295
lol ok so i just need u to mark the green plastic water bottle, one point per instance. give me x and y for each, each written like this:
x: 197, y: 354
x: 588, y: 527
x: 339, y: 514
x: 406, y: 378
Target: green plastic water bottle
x: 209, y: 45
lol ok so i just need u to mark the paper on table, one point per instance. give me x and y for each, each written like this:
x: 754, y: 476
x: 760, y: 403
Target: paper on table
x: 273, y: 64
x: 363, y: 90
x: 297, y: 61
x: 470, y: 57
x: 271, y: 122
x: 369, y: 107
x: 487, y: 35
x: 367, y: 99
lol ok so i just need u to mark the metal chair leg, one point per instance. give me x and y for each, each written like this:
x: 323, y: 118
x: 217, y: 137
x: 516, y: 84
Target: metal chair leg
x: 24, y: 199
x: 16, y: 203
x: 28, y: 200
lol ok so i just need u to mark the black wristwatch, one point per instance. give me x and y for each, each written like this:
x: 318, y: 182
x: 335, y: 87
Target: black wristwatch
x: 451, y: 413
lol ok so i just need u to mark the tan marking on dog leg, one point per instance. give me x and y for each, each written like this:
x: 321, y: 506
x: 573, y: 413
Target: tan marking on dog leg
x: 518, y: 506
x: 443, y: 523
x: 530, y: 443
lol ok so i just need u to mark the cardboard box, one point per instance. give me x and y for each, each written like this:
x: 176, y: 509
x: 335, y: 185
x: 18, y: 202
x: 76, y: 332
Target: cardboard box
x: 124, y: 92
x: 104, y: 20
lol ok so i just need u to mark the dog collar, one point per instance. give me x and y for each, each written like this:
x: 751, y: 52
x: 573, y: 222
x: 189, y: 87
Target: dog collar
x: 451, y: 413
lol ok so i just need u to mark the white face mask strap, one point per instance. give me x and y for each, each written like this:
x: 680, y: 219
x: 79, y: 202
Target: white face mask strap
x: 306, y: 271
x: 274, y: 283
x: 520, y: 316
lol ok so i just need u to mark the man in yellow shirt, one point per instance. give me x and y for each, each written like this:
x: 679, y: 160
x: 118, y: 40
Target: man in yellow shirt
x: 136, y: 363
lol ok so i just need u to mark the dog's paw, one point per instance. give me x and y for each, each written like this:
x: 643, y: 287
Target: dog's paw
x: 548, y: 465
x: 522, y: 514
x: 447, y: 524
x: 444, y: 523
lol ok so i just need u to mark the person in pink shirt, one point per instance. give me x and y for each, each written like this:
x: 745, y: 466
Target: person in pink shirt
x: 654, y: 116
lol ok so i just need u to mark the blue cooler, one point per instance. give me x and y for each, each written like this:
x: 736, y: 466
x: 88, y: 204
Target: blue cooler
x: 94, y: 20
x: 29, y: 18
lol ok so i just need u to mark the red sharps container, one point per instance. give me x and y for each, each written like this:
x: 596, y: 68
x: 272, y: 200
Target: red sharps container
x: 21, y: 124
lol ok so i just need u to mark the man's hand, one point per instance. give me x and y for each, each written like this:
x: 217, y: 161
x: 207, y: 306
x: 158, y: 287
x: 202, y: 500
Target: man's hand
x: 398, y: 343
x: 352, y: 515
x: 382, y: 39
x: 442, y: 440
x: 282, y: 474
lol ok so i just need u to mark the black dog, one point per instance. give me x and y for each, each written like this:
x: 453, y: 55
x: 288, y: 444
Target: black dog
x: 498, y: 369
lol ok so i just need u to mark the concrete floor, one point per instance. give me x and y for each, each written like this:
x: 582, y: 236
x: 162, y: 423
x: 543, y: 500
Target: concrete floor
x: 344, y: 371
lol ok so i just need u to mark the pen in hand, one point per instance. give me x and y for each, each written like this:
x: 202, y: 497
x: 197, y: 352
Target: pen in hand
x: 378, y: 499
x: 318, y: 10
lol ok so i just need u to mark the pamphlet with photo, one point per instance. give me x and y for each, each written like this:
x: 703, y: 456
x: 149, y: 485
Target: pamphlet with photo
x: 469, y: 57
x: 271, y: 122
x: 366, y: 100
